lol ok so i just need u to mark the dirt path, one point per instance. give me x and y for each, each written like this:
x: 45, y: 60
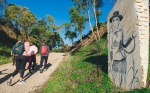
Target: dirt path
x: 33, y: 81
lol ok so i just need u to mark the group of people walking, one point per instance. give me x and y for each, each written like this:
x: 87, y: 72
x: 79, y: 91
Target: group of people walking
x: 23, y: 52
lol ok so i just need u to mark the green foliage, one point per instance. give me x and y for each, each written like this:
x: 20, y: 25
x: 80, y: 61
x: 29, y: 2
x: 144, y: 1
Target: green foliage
x: 148, y: 75
x: 90, y: 9
x: 12, y: 12
x: 3, y: 21
x: 56, y: 50
x: 20, y: 17
x: 5, y: 55
x: 99, y: 24
x: 27, y: 20
x: 71, y: 35
x: 143, y: 90
x: 78, y: 20
x: 101, y: 46
x: 4, y: 60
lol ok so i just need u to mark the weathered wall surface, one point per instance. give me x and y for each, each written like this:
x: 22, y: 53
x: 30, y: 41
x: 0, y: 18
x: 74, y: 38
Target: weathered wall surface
x: 128, y: 41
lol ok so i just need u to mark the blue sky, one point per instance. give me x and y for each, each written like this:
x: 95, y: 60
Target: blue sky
x: 59, y: 10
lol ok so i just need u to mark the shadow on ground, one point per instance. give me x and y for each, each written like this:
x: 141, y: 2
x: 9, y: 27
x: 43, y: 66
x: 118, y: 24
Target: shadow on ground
x: 101, y: 62
x: 6, y: 77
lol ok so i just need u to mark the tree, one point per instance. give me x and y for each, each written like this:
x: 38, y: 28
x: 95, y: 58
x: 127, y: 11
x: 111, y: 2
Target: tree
x: 90, y: 8
x: 27, y: 20
x: 68, y: 31
x: 13, y: 13
x: 20, y: 17
x: 51, y: 23
x: 71, y: 35
x: 54, y: 28
x: 78, y: 21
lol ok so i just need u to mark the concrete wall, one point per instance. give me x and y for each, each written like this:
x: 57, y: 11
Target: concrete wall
x: 128, y: 41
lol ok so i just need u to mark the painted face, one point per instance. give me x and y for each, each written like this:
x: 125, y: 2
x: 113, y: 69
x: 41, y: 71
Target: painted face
x: 115, y: 22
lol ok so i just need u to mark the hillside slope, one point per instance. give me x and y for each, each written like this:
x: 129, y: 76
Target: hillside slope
x: 7, y: 37
x: 89, y: 38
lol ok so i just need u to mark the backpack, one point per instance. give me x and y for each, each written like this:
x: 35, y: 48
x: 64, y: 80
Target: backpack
x: 44, y: 50
x: 18, y: 48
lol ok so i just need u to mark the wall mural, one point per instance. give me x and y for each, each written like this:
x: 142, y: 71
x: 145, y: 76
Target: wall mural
x: 118, y: 53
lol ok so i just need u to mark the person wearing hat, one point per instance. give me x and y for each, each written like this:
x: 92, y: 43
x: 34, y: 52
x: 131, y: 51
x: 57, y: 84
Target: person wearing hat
x: 118, y: 53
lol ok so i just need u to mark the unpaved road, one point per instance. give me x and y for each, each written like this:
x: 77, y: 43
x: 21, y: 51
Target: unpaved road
x: 33, y: 81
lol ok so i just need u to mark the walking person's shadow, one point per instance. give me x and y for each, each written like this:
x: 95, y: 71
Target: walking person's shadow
x: 36, y: 69
x: 6, y: 77
x: 28, y: 75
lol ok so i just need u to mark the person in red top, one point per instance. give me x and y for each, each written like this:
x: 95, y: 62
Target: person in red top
x: 44, y: 52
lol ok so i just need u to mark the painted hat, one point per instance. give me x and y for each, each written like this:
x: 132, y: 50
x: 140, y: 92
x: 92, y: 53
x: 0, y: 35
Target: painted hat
x: 116, y: 14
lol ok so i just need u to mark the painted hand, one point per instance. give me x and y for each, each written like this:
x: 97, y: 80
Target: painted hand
x: 134, y: 34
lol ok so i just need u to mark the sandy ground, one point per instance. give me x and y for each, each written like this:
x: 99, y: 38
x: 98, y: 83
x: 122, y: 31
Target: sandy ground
x: 33, y: 81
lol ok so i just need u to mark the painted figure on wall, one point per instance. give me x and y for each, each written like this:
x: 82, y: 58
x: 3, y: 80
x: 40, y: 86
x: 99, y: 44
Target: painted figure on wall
x: 117, y: 51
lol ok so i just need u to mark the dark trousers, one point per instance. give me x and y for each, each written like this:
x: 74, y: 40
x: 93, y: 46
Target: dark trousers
x: 20, y: 61
x: 13, y: 58
x: 31, y: 59
x: 43, y: 58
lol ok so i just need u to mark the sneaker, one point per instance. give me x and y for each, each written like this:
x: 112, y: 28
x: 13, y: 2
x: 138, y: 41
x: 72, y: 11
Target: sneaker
x: 19, y: 71
x: 41, y: 70
x: 9, y: 82
x: 45, y: 69
x: 32, y: 71
x: 21, y: 82
x: 29, y: 70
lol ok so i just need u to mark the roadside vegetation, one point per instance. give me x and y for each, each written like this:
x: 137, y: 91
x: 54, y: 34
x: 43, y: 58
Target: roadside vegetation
x: 85, y: 71
x: 5, y: 55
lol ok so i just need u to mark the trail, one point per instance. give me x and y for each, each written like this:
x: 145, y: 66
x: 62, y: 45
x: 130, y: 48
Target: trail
x: 33, y: 81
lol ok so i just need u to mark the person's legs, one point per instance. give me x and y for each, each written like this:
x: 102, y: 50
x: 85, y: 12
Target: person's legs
x: 17, y: 59
x: 18, y: 63
x: 45, y: 64
x: 30, y: 63
x: 33, y: 57
x: 41, y: 64
x: 13, y: 58
x: 24, y: 61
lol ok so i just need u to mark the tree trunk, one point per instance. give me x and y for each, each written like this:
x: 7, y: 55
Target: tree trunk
x: 91, y: 24
x: 95, y: 17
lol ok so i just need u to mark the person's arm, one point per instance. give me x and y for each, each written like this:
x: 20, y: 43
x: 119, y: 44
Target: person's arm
x: 11, y: 53
x: 27, y: 48
x: 48, y: 50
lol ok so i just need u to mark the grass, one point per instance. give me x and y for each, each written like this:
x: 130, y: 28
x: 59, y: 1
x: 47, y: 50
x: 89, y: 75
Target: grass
x: 5, y: 56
